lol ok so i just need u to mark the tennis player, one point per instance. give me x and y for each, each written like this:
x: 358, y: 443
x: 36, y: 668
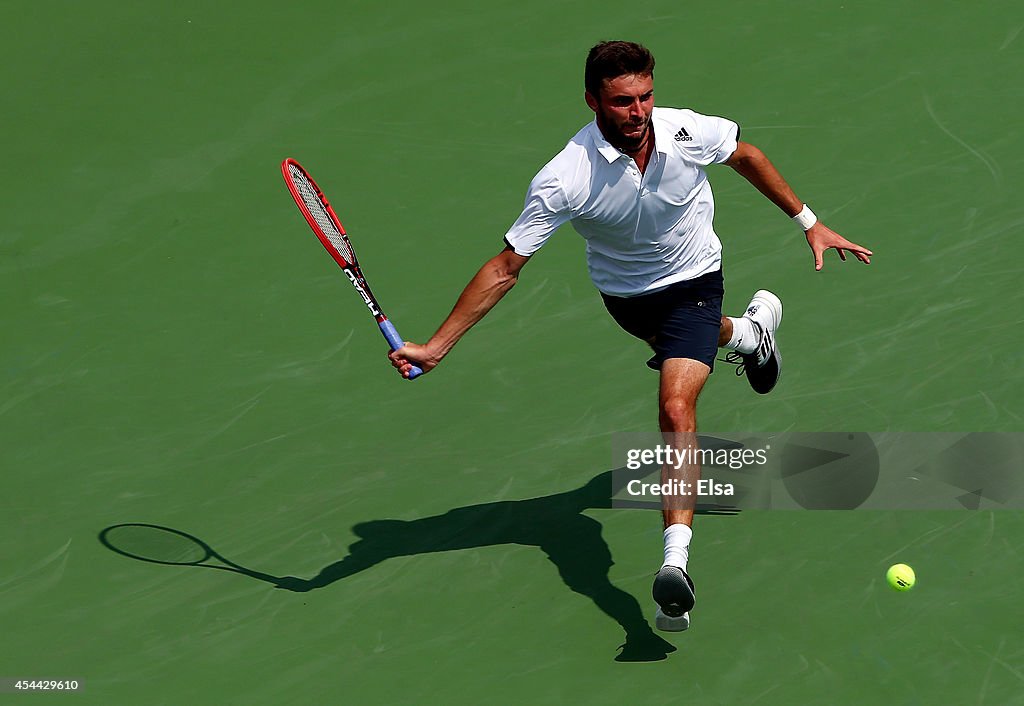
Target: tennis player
x: 632, y: 183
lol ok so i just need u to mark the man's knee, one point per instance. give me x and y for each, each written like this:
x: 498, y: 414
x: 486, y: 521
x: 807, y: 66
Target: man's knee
x: 678, y: 414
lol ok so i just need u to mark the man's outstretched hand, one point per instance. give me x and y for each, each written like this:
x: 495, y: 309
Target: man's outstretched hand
x: 820, y: 237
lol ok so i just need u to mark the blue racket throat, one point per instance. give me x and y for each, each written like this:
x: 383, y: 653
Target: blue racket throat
x: 396, y: 342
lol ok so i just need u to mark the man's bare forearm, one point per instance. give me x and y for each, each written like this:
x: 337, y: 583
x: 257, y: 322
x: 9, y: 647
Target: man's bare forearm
x: 488, y: 286
x: 752, y: 164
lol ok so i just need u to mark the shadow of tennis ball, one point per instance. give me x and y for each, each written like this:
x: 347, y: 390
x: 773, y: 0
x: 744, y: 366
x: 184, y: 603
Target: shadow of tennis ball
x: 830, y: 471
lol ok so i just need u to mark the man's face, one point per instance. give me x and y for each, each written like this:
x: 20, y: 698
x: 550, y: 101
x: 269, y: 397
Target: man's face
x: 624, y: 110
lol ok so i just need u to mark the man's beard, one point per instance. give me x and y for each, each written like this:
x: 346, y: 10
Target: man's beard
x: 633, y: 144
x: 624, y: 142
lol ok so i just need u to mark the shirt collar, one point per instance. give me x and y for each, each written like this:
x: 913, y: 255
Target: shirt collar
x: 611, y: 153
x: 662, y: 135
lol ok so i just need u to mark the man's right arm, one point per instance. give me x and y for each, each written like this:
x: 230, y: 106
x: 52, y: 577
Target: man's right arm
x: 488, y: 286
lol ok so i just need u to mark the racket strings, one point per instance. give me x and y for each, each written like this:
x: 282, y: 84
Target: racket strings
x: 320, y: 215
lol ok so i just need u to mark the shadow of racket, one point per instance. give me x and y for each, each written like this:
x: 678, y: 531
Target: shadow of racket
x: 171, y: 547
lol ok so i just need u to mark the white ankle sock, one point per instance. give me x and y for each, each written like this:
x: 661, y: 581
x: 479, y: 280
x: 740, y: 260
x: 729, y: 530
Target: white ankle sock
x: 745, y: 336
x: 677, y: 545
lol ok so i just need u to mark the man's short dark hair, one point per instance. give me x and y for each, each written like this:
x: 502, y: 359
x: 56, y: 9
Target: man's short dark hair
x: 609, y: 60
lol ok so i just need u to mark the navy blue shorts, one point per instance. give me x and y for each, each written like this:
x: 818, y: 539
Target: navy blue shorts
x: 681, y: 321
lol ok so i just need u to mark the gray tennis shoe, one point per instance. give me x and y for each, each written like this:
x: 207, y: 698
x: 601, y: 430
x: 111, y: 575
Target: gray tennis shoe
x: 674, y: 594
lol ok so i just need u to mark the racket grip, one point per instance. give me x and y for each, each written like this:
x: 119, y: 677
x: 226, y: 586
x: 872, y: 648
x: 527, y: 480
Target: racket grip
x: 396, y: 342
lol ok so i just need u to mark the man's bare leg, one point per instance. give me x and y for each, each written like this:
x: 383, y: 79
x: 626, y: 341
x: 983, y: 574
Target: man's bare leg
x: 682, y: 379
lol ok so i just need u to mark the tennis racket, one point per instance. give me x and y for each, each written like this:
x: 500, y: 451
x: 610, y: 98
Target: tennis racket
x: 324, y: 222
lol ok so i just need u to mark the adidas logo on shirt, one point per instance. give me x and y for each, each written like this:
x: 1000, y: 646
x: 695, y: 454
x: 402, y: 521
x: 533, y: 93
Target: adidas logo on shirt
x: 683, y: 135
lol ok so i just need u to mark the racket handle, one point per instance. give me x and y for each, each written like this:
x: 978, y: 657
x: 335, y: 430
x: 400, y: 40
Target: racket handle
x: 396, y: 342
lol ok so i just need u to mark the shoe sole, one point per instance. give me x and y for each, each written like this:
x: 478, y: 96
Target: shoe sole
x: 764, y: 378
x: 667, y: 624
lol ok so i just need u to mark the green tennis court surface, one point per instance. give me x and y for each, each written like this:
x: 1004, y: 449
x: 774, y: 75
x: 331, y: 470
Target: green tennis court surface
x: 178, y: 350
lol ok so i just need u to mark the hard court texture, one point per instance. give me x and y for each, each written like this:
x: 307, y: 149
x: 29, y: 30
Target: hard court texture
x: 178, y: 350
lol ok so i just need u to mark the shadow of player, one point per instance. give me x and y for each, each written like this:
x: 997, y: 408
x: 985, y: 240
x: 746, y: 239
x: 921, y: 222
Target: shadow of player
x: 554, y: 523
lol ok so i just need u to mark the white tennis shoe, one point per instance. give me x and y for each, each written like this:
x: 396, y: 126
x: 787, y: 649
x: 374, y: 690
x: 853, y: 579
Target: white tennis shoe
x: 764, y: 365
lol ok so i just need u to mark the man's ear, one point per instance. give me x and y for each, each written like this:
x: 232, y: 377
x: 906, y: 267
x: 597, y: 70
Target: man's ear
x: 591, y: 101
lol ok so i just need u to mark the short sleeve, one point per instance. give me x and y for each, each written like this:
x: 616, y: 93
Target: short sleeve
x: 546, y: 209
x: 715, y: 139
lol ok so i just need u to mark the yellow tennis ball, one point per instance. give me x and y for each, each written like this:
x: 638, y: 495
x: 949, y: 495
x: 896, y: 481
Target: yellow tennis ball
x: 901, y: 577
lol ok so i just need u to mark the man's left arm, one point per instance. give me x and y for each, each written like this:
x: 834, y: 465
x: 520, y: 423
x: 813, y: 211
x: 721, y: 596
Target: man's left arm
x: 753, y: 165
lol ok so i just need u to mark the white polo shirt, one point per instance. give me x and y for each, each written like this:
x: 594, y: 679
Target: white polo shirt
x: 643, y: 231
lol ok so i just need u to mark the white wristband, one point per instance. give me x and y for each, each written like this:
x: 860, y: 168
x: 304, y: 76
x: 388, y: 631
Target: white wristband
x: 805, y: 219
